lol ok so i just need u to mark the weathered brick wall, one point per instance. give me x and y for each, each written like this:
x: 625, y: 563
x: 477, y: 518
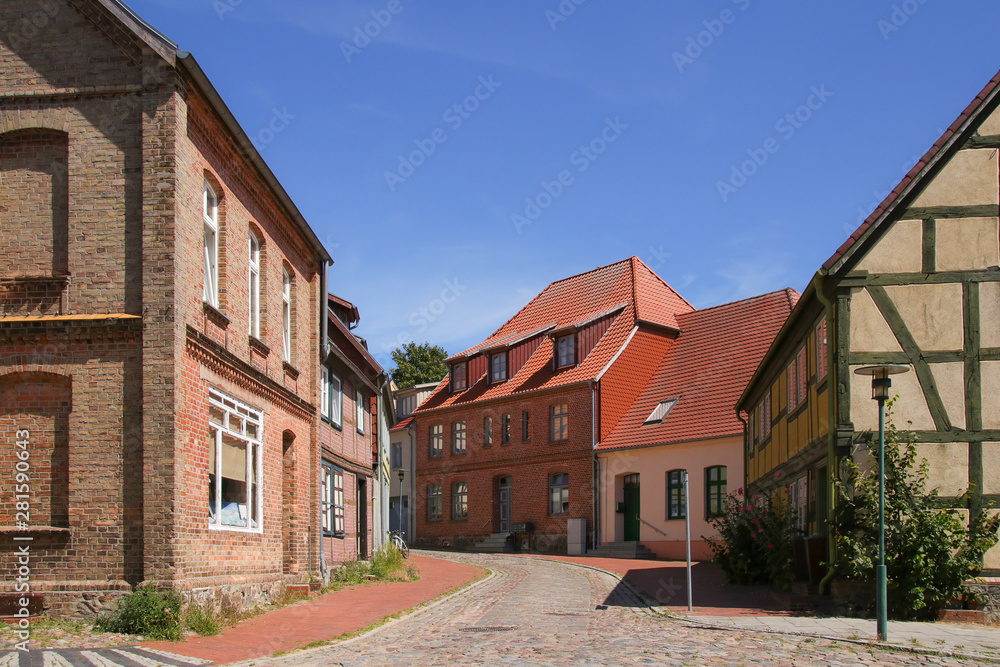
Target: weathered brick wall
x: 529, y: 463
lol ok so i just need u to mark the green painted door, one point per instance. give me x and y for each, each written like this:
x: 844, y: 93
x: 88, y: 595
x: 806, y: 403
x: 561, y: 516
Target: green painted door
x: 632, y: 508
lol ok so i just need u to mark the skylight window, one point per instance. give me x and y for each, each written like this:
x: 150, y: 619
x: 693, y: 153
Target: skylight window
x: 661, y: 411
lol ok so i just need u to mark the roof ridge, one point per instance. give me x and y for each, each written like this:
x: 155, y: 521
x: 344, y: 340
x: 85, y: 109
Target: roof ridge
x: 784, y: 290
x: 583, y: 273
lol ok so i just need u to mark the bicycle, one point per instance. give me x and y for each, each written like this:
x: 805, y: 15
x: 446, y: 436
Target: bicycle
x: 396, y: 539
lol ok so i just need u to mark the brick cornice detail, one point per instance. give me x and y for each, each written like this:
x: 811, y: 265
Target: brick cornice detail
x: 225, y: 363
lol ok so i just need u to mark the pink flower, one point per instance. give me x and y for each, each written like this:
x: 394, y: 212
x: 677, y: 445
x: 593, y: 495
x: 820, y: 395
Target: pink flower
x: 770, y: 546
x: 739, y: 491
x: 778, y: 474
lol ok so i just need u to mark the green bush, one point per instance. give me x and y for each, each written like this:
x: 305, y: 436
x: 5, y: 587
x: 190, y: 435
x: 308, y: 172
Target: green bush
x: 755, y: 541
x: 203, y: 621
x: 386, y: 564
x: 146, y: 612
x: 929, y: 550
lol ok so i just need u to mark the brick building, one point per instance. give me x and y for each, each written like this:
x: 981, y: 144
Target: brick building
x: 354, y: 473
x: 508, y: 437
x: 160, y: 320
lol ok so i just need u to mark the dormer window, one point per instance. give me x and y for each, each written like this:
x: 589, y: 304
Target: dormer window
x: 661, y: 411
x: 565, y: 351
x: 498, y: 367
x: 459, y: 380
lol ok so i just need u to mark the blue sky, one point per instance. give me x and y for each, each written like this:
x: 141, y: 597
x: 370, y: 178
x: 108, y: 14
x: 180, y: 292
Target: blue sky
x: 469, y: 153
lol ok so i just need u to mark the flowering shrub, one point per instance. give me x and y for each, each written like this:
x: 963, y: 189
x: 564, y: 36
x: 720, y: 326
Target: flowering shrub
x: 755, y: 541
x: 929, y: 551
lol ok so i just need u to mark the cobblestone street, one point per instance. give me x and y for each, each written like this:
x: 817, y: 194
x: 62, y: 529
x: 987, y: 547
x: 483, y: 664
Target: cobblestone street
x: 549, y: 612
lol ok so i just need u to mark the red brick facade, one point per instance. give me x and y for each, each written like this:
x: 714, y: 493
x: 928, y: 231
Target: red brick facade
x: 107, y: 348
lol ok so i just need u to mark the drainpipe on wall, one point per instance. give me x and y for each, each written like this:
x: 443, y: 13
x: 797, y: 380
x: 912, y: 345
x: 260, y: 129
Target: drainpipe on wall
x: 831, y: 449
x: 411, y: 510
x: 746, y: 448
x: 596, y: 468
x: 323, y: 332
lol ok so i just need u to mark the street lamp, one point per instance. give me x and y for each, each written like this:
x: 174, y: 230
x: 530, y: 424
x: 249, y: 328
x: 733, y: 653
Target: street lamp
x: 402, y: 474
x: 880, y: 392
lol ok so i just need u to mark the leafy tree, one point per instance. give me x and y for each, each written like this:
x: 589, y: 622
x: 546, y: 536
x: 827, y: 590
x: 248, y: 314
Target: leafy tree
x: 417, y: 364
x: 929, y: 551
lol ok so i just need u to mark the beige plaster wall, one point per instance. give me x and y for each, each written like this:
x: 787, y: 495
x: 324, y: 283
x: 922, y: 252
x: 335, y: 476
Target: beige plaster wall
x: 652, y: 464
x: 991, y: 394
x: 932, y: 313
x: 910, y: 411
x: 989, y: 314
x: 991, y: 125
x: 967, y: 244
x: 869, y: 331
x: 950, y: 381
x: 899, y: 251
x: 991, y: 467
x: 949, y: 467
x: 969, y: 179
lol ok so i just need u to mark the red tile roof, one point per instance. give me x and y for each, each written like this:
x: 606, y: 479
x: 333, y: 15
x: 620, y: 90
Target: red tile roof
x: 706, y: 369
x: 566, y: 303
x: 929, y: 157
x: 402, y: 425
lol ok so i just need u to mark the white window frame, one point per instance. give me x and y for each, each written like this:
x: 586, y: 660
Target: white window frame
x: 436, y: 443
x: 458, y: 437
x: 335, y: 396
x: 326, y: 498
x: 254, y: 286
x: 324, y: 392
x: 210, y: 213
x: 359, y: 410
x: 242, y: 422
x: 286, y: 317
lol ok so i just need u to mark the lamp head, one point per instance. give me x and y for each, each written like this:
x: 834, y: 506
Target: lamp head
x: 402, y: 474
x: 881, y: 382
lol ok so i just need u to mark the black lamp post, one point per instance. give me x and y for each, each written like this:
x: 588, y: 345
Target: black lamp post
x: 880, y: 392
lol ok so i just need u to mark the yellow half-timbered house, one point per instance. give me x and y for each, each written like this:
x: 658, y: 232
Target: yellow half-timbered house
x: 918, y: 284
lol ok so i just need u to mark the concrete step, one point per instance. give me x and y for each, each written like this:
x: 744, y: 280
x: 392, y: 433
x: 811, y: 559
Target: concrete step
x: 628, y: 549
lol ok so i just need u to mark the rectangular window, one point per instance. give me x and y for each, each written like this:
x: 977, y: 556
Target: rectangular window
x: 797, y: 380
x: 433, y: 502
x: 324, y: 392
x: 559, y: 493
x: 335, y: 397
x: 286, y: 317
x: 360, y: 411
x: 326, y: 499
x: 254, y: 286
x: 458, y: 377
x: 762, y: 419
x: 822, y: 359
x: 458, y: 437
x: 487, y: 431
x: 498, y: 367
x: 338, y: 501
x: 715, y: 491
x: 558, y: 422
x: 505, y: 429
x: 396, y: 455
x: 436, y: 441
x: 565, y: 351
x: 234, y: 463
x: 525, y: 425
x: 210, y: 210
x: 459, y: 501
x: 676, y: 499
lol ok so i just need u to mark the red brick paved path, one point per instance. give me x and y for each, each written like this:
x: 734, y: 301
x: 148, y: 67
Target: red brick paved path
x: 326, y: 617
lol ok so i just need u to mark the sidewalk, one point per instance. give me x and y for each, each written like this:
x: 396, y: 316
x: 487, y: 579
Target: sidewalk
x: 719, y: 604
x: 326, y: 617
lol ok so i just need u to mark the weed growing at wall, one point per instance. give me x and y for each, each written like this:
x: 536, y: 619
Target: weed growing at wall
x: 145, y: 612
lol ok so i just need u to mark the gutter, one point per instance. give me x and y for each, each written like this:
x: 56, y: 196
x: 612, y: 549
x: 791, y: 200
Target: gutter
x: 192, y: 67
x: 831, y: 448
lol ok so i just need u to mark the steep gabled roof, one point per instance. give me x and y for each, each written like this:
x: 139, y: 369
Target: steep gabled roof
x: 705, y: 371
x: 947, y: 144
x: 627, y: 290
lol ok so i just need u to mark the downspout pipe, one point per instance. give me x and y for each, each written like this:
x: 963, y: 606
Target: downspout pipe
x: 831, y: 448
x: 746, y: 449
x: 323, y: 332
x: 596, y: 467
